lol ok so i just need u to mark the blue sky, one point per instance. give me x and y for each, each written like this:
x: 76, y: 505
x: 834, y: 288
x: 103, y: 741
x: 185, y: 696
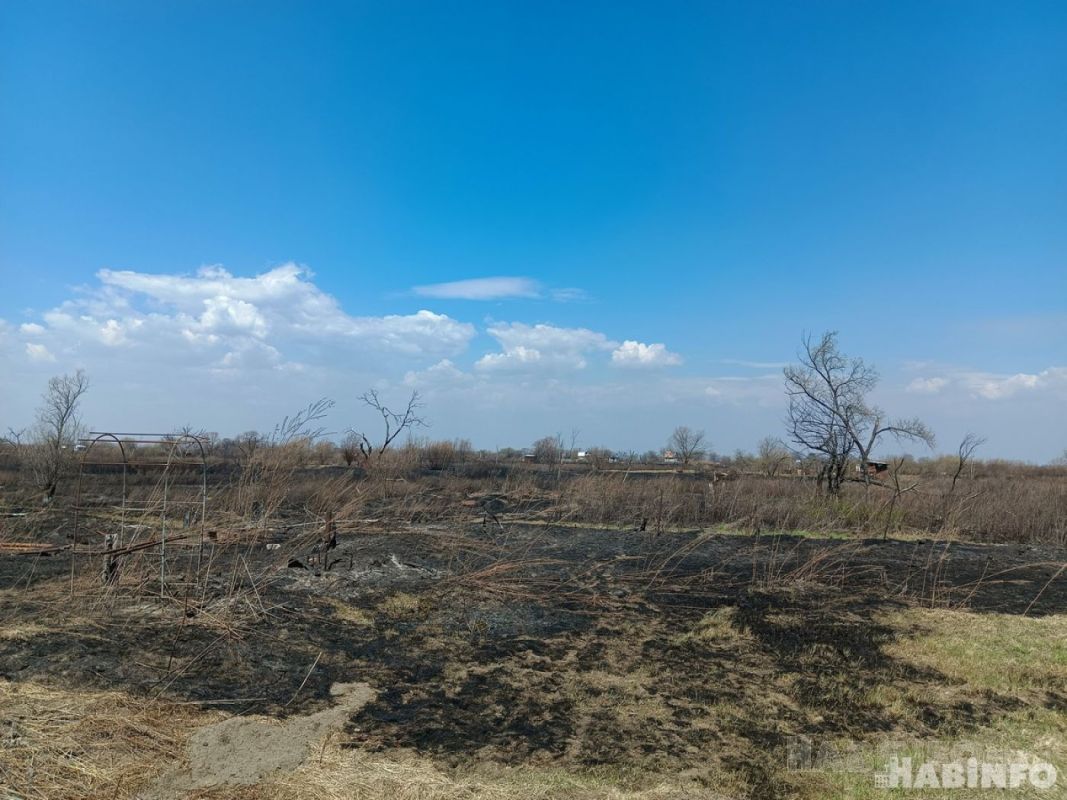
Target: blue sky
x: 672, y: 192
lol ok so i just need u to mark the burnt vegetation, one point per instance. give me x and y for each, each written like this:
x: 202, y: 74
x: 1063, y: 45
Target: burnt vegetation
x: 629, y: 622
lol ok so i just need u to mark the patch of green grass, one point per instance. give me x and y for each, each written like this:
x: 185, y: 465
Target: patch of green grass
x: 1022, y: 660
x: 1000, y: 652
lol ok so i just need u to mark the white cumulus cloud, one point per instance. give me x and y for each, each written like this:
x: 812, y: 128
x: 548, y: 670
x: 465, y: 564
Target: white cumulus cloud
x: 423, y: 333
x: 637, y: 354
x: 38, y: 352
x: 542, y: 345
x: 213, y: 318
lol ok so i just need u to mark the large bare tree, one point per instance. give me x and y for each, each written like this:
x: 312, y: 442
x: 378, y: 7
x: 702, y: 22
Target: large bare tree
x: 687, y: 443
x: 829, y: 413
x: 56, y: 432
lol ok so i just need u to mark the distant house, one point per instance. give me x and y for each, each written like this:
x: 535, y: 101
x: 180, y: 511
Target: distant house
x: 670, y: 457
x: 873, y: 469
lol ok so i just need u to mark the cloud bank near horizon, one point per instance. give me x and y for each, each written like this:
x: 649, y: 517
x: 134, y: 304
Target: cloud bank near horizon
x: 240, y: 350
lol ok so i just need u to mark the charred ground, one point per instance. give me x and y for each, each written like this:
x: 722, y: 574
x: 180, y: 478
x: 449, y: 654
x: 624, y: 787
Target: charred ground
x: 695, y: 654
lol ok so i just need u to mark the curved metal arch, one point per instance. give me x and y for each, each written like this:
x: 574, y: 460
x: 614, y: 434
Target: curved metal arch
x: 78, y: 494
x: 175, y: 441
x: 175, y: 455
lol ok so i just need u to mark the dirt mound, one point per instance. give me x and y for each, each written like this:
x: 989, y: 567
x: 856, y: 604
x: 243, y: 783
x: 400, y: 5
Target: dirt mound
x: 241, y: 751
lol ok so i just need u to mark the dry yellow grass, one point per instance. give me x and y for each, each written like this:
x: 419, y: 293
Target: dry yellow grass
x: 349, y: 613
x: 84, y: 744
x: 337, y: 773
x: 23, y: 632
x: 717, y: 627
x: 402, y: 606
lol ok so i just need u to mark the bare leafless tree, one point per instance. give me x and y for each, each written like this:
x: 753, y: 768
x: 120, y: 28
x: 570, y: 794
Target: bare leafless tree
x: 952, y: 507
x: 965, y: 453
x: 394, y: 422
x: 14, y: 437
x: 687, y: 443
x: 599, y: 457
x: 829, y: 413
x: 14, y: 442
x: 572, y: 451
x: 184, y: 436
x: 899, y: 490
x: 247, y: 444
x: 773, y: 455
x: 548, y: 450
x: 57, y: 430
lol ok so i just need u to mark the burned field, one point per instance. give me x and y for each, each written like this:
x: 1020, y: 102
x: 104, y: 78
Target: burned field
x: 538, y: 660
